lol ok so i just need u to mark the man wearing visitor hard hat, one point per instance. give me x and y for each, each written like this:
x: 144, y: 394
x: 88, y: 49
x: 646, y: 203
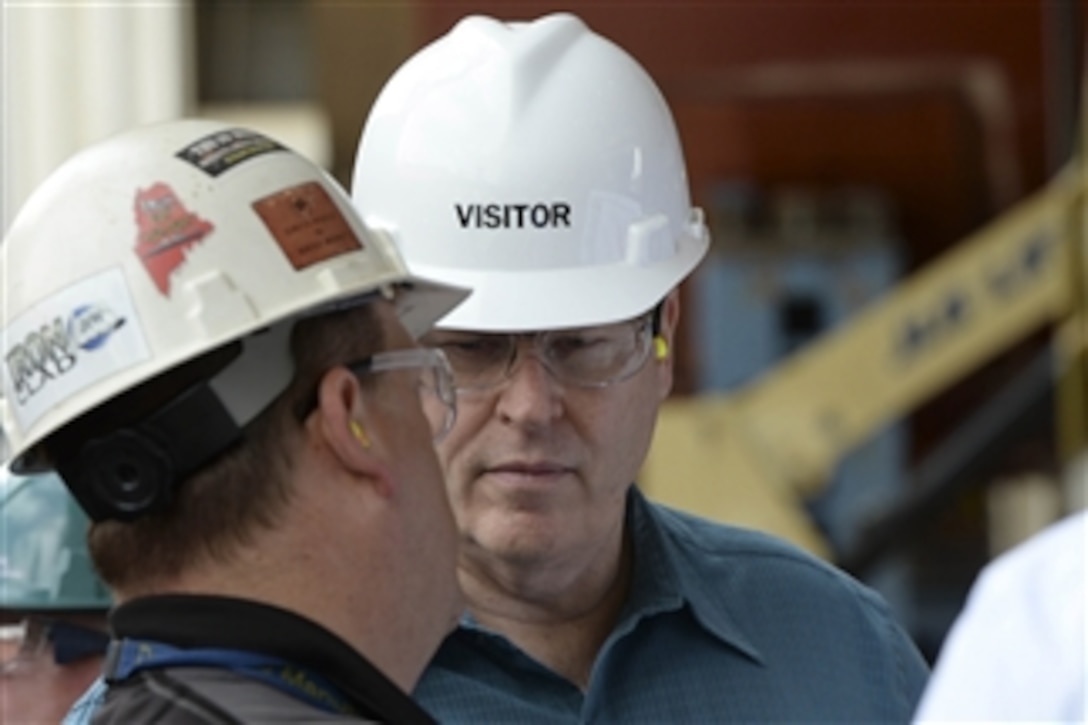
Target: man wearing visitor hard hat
x: 537, y: 163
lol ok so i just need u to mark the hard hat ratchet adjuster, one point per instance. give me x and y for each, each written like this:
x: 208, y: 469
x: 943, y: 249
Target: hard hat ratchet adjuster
x: 135, y: 469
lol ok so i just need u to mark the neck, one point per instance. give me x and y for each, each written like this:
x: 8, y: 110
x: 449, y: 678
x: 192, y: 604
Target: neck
x: 326, y: 580
x: 560, y: 616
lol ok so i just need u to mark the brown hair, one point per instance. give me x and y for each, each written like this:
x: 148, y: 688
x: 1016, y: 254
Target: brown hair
x: 245, y: 489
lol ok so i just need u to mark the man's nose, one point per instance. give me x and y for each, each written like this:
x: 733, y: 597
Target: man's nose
x: 531, y: 395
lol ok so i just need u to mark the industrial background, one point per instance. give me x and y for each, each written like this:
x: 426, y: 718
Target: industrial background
x: 840, y: 149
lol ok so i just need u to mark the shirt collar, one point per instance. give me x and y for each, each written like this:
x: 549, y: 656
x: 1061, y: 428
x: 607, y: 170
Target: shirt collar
x: 667, y: 578
x: 664, y: 579
x: 196, y: 621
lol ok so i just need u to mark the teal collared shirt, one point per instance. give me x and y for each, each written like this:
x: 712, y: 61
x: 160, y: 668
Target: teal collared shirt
x: 722, y: 625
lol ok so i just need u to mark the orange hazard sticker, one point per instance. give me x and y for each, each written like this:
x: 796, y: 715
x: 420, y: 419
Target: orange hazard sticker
x: 307, y: 224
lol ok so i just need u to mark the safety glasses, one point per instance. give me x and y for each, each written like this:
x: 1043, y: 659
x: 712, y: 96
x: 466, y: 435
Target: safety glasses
x: 588, y: 357
x: 70, y: 642
x: 436, y: 389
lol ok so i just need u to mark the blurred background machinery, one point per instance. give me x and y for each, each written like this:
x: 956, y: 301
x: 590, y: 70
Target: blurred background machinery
x: 788, y: 265
x: 882, y: 357
x: 811, y: 447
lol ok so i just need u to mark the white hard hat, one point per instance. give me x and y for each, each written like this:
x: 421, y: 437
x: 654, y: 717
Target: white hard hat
x: 170, y: 241
x: 536, y: 163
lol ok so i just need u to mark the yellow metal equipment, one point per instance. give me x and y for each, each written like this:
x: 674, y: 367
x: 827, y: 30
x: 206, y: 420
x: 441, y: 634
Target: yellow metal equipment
x: 752, y: 456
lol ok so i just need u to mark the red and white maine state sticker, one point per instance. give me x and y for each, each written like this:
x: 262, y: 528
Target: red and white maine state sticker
x: 166, y: 230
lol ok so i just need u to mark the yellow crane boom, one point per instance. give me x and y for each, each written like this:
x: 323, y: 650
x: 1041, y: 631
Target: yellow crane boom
x: 749, y: 457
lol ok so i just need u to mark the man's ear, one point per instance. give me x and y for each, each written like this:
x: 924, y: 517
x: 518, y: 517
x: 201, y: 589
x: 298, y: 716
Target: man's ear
x: 341, y: 420
x: 665, y: 343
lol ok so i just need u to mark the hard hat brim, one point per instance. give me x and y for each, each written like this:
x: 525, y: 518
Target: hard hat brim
x: 513, y: 301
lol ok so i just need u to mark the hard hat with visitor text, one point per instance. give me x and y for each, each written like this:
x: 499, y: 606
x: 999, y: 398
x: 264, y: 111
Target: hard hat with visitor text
x: 538, y: 163
x: 156, y: 247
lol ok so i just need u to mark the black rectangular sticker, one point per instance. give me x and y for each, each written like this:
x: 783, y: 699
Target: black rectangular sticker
x: 223, y: 150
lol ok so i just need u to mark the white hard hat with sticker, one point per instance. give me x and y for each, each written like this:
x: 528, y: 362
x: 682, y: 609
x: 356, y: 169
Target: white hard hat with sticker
x: 169, y: 241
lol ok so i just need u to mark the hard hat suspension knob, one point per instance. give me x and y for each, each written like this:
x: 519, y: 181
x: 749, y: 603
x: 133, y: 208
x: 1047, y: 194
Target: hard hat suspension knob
x: 134, y: 470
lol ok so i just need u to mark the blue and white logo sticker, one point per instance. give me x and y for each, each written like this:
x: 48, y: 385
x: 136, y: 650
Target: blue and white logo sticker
x: 91, y: 326
x: 82, y: 334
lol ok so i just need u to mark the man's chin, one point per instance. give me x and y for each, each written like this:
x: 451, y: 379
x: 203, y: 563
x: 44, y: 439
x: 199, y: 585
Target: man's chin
x: 520, y: 537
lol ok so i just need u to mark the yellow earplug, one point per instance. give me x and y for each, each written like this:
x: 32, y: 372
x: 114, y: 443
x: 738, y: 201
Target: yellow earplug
x: 360, y: 434
x: 661, y: 347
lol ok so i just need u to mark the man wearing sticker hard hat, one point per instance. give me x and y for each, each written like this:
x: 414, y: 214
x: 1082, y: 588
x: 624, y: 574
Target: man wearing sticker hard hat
x: 218, y: 358
x: 537, y: 163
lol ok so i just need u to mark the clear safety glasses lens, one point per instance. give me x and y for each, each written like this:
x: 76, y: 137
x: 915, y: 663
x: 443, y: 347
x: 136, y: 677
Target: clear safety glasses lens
x: 591, y: 357
x: 27, y: 640
x: 436, y: 382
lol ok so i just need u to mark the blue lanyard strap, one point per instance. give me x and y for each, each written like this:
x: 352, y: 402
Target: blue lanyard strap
x: 127, y: 657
